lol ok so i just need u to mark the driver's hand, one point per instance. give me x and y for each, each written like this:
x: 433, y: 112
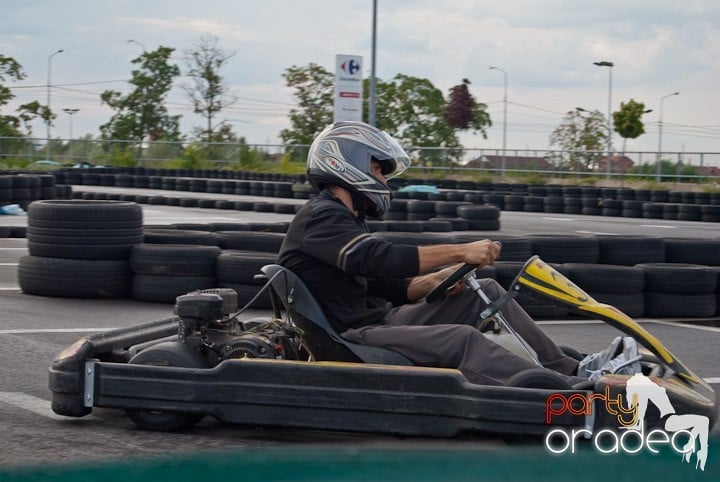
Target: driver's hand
x: 444, y: 273
x: 482, y: 253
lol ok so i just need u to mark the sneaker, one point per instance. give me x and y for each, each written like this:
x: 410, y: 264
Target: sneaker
x: 591, y: 364
x: 626, y: 363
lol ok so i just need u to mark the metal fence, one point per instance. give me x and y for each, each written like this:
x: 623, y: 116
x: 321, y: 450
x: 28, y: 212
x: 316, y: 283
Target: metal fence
x: 688, y: 166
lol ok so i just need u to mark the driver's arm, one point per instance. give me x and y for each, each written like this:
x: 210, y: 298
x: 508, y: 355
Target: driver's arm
x: 421, y: 285
x: 482, y: 253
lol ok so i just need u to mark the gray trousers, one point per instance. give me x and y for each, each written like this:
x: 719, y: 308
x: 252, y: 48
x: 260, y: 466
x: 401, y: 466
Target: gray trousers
x: 443, y: 335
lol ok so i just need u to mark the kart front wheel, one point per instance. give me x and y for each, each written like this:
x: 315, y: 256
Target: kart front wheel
x: 169, y: 354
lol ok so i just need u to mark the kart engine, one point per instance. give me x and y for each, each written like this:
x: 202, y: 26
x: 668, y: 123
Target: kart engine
x: 205, y: 321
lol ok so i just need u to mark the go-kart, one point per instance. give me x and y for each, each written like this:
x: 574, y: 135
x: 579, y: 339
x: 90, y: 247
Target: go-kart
x: 293, y: 369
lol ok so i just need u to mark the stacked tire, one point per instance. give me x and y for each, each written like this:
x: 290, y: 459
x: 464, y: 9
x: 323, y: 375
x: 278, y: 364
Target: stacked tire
x: 620, y: 286
x: 237, y: 269
x: 80, y: 248
x: 677, y: 290
x: 162, y: 272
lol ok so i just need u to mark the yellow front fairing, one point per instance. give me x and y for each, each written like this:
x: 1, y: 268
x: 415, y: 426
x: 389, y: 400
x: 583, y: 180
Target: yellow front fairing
x: 542, y: 278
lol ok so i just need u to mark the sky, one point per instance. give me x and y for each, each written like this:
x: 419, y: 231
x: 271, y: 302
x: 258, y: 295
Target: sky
x: 546, y: 48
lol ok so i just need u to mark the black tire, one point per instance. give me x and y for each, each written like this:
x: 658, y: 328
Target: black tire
x: 605, y: 278
x: 164, y: 289
x: 74, y: 278
x: 235, y: 266
x: 693, y: 251
x: 85, y: 211
x: 170, y: 354
x: 250, y: 241
x: 174, y: 259
x: 630, y: 250
x: 483, y: 224
x: 557, y: 248
x: 456, y: 224
x: 438, y: 226
x: 448, y: 207
x: 632, y: 304
x: 406, y: 226
x: 179, y: 236
x: 679, y: 278
x: 417, y: 206
x: 673, y: 305
x: 481, y: 212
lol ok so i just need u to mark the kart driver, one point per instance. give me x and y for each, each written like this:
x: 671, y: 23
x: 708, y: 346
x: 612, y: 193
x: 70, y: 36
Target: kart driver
x: 371, y: 290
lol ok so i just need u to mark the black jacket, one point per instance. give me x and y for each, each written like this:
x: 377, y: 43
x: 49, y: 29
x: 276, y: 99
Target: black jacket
x: 354, y: 276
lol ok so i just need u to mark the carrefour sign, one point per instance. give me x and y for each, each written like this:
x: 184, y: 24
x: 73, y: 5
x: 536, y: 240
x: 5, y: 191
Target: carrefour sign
x: 348, y: 88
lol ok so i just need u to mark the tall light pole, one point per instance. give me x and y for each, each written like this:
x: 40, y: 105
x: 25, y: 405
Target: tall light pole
x: 660, y: 129
x: 373, y: 81
x: 505, y: 84
x: 70, y: 113
x: 49, y: 120
x: 142, y: 46
x: 605, y: 63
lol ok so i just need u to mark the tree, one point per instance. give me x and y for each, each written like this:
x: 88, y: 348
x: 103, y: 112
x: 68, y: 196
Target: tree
x: 415, y: 110
x: 11, y: 125
x: 206, y: 90
x: 581, y: 138
x: 313, y: 91
x: 142, y: 113
x: 628, y: 122
x: 463, y: 112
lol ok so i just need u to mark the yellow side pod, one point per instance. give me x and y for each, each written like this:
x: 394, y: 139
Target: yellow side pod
x: 542, y: 278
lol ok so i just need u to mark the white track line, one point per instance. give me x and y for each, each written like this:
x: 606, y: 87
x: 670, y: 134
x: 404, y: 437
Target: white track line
x: 713, y: 329
x: 38, y: 406
x: 21, y: 331
x: 713, y: 380
x: 9, y: 264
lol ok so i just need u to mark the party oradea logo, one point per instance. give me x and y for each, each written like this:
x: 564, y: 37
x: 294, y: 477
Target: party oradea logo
x: 687, y: 435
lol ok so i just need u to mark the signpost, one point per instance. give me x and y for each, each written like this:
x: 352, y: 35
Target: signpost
x: 348, y: 88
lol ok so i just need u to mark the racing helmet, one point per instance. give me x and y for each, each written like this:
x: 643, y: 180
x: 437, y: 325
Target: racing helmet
x: 340, y: 156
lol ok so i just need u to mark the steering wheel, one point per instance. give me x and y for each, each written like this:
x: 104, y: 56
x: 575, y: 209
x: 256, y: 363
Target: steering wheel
x: 439, y: 291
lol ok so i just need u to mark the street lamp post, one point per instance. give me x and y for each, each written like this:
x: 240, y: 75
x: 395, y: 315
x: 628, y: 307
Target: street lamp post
x: 608, y: 163
x: 70, y: 113
x: 142, y: 46
x: 49, y: 120
x: 660, y: 129
x: 505, y: 86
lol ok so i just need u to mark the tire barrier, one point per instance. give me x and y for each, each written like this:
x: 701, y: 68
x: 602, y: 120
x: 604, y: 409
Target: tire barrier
x: 22, y: 189
x: 80, y: 229
x: 74, y: 278
x: 237, y: 270
x: 538, y: 308
x: 163, y: 272
x: 680, y: 290
x: 555, y: 248
x: 620, y: 286
x: 80, y: 249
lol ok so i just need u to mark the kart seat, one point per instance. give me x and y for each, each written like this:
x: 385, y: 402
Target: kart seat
x: 321, y: 339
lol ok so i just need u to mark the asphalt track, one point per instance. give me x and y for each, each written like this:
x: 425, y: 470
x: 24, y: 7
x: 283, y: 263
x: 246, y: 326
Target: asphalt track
x: 34, y: 329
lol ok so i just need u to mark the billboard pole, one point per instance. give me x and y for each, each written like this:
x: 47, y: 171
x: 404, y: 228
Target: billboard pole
x: 371, y: 106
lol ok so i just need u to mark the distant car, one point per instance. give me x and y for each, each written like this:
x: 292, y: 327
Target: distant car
x: 45, y: 164
x: 86, y: 165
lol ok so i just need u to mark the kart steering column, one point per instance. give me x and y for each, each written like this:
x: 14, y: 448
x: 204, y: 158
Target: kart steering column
x: 492, y: 308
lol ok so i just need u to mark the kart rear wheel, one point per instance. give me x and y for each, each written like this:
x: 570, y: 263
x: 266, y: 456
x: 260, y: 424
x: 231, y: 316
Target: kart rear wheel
x: 170, y: 354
